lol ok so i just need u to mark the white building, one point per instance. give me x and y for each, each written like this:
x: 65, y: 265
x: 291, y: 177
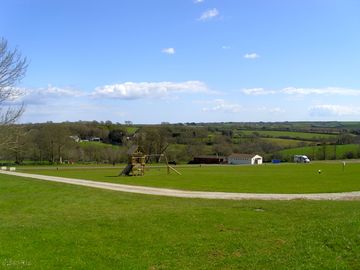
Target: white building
x: 75, y: 138
x: 245, y: 159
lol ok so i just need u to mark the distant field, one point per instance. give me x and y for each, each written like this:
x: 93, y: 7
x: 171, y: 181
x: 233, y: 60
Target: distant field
x: 176, y: 147
x: 100, y: 145
x: 282, y: 178
x: 131, y: 130
x: 288, y: 134
x: 330, y: 151
x: 285, y: 142
x: 47, y: 225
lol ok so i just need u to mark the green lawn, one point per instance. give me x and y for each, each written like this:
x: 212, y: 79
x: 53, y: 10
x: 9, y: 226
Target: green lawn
x: 47, y: 225
x: 268, y: 178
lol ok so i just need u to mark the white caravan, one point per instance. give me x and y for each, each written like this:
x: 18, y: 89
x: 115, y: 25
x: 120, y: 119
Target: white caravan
x: 301, y: 159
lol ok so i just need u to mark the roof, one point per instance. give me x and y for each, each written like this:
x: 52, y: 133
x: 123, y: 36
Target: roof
x: 243, y: 156
x: 210, y: 156
x: 132, y: 149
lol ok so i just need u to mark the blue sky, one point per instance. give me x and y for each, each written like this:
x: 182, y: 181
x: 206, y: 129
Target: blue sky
x: 150, y: 61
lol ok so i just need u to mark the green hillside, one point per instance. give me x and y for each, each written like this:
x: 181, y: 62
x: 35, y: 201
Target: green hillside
x: 288, y: 134
x: 323, y: 152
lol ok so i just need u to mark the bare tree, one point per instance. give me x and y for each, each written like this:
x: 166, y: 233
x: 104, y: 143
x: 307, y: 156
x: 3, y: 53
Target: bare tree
x: 12, y: 69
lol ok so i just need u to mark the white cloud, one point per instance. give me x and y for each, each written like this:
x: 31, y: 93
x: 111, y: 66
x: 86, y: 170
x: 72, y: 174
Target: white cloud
x: 321, y: 91
x: 334, y: 110
x: 275, y: 110
x: 209, y: 14
x: 222, y: 106
x: 257, y: 91
x: 58, y: 92
x: 168, y: 51
x: 198, y: 1
x: 72, y: 109
x: 303, y: 91
x: 134, y: 90
x: 225, y: 47
x: 12, y: 94
x: 41, y: 95
x: 251, y: 56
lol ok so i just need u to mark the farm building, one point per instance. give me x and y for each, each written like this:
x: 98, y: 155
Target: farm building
x: 245, y: 159
x: 209, y: 159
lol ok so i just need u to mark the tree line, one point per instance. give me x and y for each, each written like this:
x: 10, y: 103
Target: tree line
x: 107, y: 142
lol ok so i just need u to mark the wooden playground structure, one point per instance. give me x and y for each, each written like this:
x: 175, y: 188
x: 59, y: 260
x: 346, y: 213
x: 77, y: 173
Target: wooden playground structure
x: 137, y: 161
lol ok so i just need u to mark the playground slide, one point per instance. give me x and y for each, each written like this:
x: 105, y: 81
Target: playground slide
x: 126, y: 170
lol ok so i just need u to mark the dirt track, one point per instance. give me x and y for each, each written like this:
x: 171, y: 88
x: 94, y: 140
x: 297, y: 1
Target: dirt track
x: 343, y: 196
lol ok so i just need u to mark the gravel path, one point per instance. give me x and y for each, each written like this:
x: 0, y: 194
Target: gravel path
x: 192, y: 194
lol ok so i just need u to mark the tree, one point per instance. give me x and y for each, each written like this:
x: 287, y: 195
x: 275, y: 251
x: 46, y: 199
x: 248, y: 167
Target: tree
x: 152, y: 140
x: 19, y: 144
x: 12, y: 69
x: 116, y: 136
x: 55, y: 140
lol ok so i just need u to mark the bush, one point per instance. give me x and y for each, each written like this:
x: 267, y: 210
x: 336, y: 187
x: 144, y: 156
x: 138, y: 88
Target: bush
x: 349, y: 155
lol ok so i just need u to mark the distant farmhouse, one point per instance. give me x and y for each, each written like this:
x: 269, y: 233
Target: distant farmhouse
x: 95, y: 139
x: 91, y: 139
x: 235, y: 159
x: 75, y: 138
x: 245, y: 159
x: 209, y: 159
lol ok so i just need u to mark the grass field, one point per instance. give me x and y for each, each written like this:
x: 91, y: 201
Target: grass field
x: 100, y: 145
x: 130, y: 130
x: 289, y: 134
x: 56, y: 226
x: 285, y: 142
x: 330, y: 151
x: 282, y: 178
